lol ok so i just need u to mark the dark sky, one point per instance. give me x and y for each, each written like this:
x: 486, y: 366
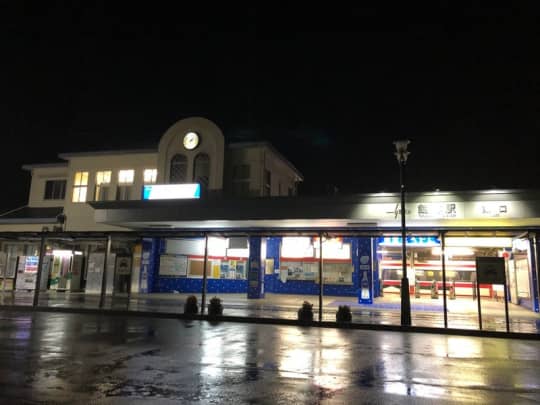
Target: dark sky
x: 330, y: 88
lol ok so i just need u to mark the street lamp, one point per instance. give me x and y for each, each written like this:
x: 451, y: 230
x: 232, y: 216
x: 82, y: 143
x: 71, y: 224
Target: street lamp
x: 401, y: 155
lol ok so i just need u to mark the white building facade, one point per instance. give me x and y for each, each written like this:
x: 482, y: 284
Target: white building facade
x: 245, y: 230
x: 191, y: 151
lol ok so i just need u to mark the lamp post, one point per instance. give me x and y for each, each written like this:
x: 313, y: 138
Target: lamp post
x: 401, y: 155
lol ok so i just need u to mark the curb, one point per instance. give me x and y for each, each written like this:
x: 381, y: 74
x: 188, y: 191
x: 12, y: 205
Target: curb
x: 276, y: 321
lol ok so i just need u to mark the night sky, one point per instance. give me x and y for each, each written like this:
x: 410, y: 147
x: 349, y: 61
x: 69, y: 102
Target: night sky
x: 331, y: 89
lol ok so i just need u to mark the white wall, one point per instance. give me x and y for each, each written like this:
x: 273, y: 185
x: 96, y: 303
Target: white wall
x: 26, y: 227
x: 260, y: 157
x: 80, y: 216
x: 251, y: 156
x: 40, y: 175
x: 281, y: 174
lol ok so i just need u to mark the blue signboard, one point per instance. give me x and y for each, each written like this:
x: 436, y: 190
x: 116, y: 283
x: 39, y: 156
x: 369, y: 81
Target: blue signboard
x: 418, y: 241
x: 171, y: 191
x: 365, y: 271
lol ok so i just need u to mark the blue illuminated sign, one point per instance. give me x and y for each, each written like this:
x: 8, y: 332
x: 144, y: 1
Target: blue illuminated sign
x: 171, y: 191
x: 425, y: 241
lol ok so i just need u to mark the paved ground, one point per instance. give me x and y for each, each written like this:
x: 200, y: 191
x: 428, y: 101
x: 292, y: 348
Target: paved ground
x: 462, y: 313
x: 71, y: 358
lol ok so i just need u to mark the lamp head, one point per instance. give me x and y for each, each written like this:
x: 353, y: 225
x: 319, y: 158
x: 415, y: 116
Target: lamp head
x: 401, y: 150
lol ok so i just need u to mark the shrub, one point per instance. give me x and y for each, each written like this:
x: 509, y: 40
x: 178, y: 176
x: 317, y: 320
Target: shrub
x: 343, y: 314
x: 191, y: 307
x: 305, y: 314
x: 215, y: 308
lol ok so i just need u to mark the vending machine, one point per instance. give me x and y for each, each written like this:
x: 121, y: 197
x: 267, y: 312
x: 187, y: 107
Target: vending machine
x: 94, y: 273
x: 27, y: 267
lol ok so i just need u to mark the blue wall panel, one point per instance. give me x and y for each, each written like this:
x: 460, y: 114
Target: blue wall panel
x: 255, y: 268
x: 149, y: 265
x: 194, y: 285
x: 534, y: 274
x: 272, y: 283
x: 364, y: 268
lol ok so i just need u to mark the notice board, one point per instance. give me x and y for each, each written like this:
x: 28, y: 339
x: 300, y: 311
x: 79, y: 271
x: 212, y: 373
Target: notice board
x: 173, y: 265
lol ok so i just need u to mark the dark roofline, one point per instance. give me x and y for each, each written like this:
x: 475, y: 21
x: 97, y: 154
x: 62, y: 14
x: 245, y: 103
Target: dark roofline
x: 68, y: 155
x: 240, y: 145
x: 31, y: 215
x: 31, y: 166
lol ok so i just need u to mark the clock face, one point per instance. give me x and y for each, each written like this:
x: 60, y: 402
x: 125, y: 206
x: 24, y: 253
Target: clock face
x: 191, y: 140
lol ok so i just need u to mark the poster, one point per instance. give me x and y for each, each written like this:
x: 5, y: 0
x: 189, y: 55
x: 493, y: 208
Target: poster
x: 31, y: 264
x: 173, y: 265
x: 123, y: 265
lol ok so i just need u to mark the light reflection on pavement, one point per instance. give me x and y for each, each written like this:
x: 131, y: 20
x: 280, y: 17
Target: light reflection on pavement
x: 68, y: 358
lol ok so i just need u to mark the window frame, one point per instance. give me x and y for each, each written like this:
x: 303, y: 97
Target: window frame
x: 122, y: 181
x: 57, y: 193
x: 177, y: 160
x: 102, y: 185
x: 80, y: 186
x: 153, y: 178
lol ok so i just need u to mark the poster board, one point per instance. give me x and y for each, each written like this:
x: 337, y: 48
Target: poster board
x: 269, y: 266
x: 300, y: 270
x: 337, y: 273
x: 123, y: 265
x: 333, y: 273
x: 232, y: 269
x: 173, y: 265
x: 196, y: 267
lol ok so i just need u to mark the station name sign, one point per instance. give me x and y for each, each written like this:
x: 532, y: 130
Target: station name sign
x: 171, y: 191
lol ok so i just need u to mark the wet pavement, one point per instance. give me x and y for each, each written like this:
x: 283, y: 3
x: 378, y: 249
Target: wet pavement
x: 426, y: 312
x: 76, y: 358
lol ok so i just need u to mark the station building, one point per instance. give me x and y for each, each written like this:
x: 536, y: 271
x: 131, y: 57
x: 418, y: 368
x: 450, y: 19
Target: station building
x: 196, y: 213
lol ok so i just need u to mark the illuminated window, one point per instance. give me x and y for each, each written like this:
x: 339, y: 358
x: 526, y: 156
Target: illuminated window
x: 103, y: 181
x: 126, y: 176
x: 150, y: 176
x: 80, y: 187
x: 103, y: 177
x: 55, y: 190
x: 125, y: 182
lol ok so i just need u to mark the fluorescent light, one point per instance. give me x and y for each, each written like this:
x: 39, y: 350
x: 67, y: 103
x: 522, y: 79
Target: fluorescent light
x: 62, y: 253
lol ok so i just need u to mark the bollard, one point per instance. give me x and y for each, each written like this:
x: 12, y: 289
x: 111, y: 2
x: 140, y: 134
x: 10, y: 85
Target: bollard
x: 434, y: 291
x: 453, y: 290
x: 417, y: 289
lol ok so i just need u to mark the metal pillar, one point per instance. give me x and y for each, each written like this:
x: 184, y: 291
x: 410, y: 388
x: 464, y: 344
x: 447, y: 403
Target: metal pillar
x: 104, y: 277
x: 535, y: 279
x: 320, y: 277
x: 443, y: 262
x: 203, y: 299
x: 38, y: 275
x: 5, y: 271
x: 477, y: 289
x: 405, y: 298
